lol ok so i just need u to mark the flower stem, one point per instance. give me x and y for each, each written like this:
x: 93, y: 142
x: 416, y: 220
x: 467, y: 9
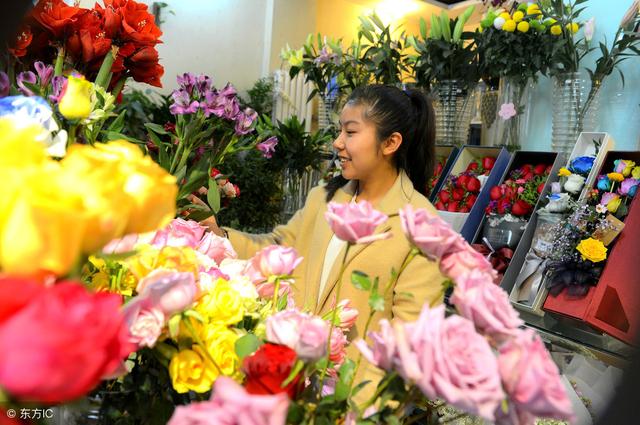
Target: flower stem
x: 59, y: 62
x: 105, y: 68
x: 383, y: 386
x: 276, y: 289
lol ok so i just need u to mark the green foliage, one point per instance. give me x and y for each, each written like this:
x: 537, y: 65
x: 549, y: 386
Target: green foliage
x: 260, y: 96
x: 142, y: 107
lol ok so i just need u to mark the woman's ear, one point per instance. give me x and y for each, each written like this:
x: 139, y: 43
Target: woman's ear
x: 392, y: 144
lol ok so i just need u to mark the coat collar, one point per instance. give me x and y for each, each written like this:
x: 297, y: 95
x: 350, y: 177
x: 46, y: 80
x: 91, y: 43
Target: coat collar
x: 398, y: 195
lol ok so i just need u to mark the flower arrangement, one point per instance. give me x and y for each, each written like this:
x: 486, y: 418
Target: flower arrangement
x: 461, y: 191
x: 615, y: 190
x: 518, y: 194
x: 296, y: 371
x: 437, y: 171
x: 566, y: 191
x: 209, y: 126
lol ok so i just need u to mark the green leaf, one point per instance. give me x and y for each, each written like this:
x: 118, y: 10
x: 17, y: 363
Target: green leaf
x: 376, y: 302
x: 360, y: 280
x: 156, y: 128
x: 366, y: 24
x: 114, y: 135
x: 423, y: 28
x: 294, y: 372
x: 376, y: 20
x: 247, y: 345
x: 213, y: 196
x: 195, y: 315
x: 118, y: 124
x: 174, y: 325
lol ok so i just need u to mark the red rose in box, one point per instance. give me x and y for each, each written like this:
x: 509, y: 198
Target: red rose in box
x: 437, y: 171
x: 461, y: 191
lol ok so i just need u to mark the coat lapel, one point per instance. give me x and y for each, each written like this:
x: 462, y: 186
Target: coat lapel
x: 399, y: 194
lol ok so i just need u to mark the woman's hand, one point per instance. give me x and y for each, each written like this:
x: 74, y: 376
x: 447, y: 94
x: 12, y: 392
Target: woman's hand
x: 209, y: 222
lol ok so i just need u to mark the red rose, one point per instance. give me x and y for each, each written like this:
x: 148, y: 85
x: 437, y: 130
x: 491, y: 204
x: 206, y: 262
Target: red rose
x: 510, y: 192
x: 56, y: 15
x: 548, y: 169
x: 59, y: 345
x: 267, y: 369
x: 471, y: 200
x: 496, y: 193
x: 473, y: 185
x: 13, y: 300
x: 453, y: 206
x: 441, y: 206
x: 472, y: 166
x: 457, y: 194
x: 237, y: 189
x: 444, y: 196
x: 22, y: 41
x: 528, y: 176
x: 540, y: 187
x: 503, y: 206
x: 438, y: 170
x: 488, y: 162
x: 462, y: 180
x: 521, y: 208
x: 539, y: 169
x: 464, y: 209
x: 526, y: 168
x: 214, y: 173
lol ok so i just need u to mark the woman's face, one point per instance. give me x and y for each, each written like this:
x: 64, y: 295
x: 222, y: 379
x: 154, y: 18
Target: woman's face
x: 357, y: 147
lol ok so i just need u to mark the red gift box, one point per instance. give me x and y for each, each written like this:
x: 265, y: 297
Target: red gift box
x: 615, y: 307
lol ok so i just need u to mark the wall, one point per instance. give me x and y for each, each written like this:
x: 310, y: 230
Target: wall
x: 293, y: 20
x: 619, y: 108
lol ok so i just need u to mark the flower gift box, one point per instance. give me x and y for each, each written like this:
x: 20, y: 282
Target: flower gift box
x: 552, y: 162
x: 585, y: 146
x: 445, y: 157
x: 467, y: 222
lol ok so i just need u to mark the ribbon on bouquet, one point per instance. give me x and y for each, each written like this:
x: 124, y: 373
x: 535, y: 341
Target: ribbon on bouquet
x: 499, y: 259
x: 531, y: 276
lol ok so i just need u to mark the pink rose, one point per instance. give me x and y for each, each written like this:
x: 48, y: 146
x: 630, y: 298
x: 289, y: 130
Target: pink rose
x: 383, y: 352
x: 265, y: 289
x: 230, y: 404
x: 347, y: 314
x: 338, y: 350
x: 432, y: 235
x: 216, y: 248
x: 355, y: 222
x: 306, y: 334
x: 531, y: 379
x: 179, y: 233
x: 147, y: 327
x: 487, y: 305
x: 168, y: 290
x: 275, y: 260
x: 125, y: 244
x: 456, y: 264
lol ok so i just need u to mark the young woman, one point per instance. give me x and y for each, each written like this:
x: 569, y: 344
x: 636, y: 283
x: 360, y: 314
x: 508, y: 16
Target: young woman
x: 386, y: 148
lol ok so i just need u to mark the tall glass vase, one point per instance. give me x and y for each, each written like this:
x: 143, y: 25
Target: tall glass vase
x: 514, y: 111
x: 453, y: 105
x: 575, y: 109
x: 489, y: 111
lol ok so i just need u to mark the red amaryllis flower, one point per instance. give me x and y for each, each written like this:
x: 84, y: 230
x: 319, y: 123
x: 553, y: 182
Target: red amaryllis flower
x: 267, y: 369
x: 57, y: 343
x: 56, y: 15
x: 22, y: 41
x: 144, y: 67
x: 89, y: 41
x: 138, y: 25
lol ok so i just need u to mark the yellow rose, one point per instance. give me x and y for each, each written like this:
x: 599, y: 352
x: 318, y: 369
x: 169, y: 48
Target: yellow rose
x: 556, y: 30
x: 76, y: 101
x: 613, y: 204
x: 509, y: 26
x: 628, y: 167
x: 222, y: 304
x: 148, y: 258
x: 43, y: 226
x: 19, y: 146
x: 592, y: 250
x: 523, y: 26
x: 152, y: 191
x: 564, y: 172
x: 191, y: 370
x: 220, y: 343
x: 635, y: 173
x: 616, y: 177
x: 518, y: 16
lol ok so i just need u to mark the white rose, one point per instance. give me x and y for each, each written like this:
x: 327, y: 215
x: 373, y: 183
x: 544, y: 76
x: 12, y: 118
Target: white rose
x: 574, y: 183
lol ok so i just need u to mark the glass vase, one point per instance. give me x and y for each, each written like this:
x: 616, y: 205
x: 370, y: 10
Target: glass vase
x: 489, y: 112
x: 296, y: 187
x: 514, y: 112
x: 453, y: 102
x: 575, y: 109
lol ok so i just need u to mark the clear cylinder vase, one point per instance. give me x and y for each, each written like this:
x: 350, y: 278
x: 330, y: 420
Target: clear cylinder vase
x: 575, y: 109
x: 514, y: 112
x: 453, y: 103
x: 296, y: 187
x: 489, y: 114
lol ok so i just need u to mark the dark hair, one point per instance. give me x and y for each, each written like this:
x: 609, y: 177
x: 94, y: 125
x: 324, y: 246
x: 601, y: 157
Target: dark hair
x: 407, y: 112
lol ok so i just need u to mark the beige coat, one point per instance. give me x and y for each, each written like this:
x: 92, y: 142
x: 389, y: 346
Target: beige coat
x: 309, y: 233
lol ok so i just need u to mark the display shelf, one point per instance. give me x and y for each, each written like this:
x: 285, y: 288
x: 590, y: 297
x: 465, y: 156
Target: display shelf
x: 580, y: 338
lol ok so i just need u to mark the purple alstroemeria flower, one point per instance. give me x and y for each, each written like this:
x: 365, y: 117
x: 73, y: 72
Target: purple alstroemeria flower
x: 5, y: 84
x: 268, y: 147
x: 26, y: 77
x: 325, y: 56
x: 629, y: 187
x: 45, y: 73
x: 58, y: 86
x: 186, y: 81
x: 245, y: 120
x: 182, y: 103
x: 222, y: 106
x: 203, y: 84
x: 228, y: 91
